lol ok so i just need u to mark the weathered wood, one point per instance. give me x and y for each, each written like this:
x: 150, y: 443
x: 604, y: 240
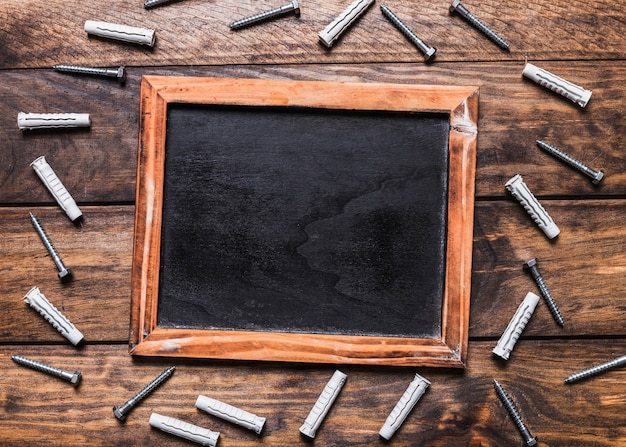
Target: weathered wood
x: 194, y: 31
x: 456, y: 409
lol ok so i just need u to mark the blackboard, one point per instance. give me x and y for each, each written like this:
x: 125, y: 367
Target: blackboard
x: 302, y: 224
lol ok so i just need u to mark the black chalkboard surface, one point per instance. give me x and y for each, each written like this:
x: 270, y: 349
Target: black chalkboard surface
x: 301, y: 220
x: 304, y: 221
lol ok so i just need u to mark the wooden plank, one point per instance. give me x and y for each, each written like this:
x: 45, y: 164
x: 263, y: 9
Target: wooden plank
x: 583, y: 270
x: 198, y: 31
x: 99, y: 165
x: 457, y: 409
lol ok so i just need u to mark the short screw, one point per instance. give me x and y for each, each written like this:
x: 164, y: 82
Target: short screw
x: 596, y: 369
x: 529, y: 439
x: 531, y: 266
x: 122, y: 411
x: 263, y: 16
x: 456, y: 6
x: 118, y: 73
x: 596, y: 176
x: 64, y: 272
x: 427, y: 50
x: 72, y: 377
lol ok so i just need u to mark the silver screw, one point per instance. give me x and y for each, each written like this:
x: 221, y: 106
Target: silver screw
x: 122, y: 411
x: 151, y: 3
x: 427, y: 50
x: 456, y: 6
x: 529, y: 439
x: 64, y: 272
x: 72, y: 377
x: 263, y: 16
x: 596, y: 369
x: 596, y: 176
x: 118, y: 73
x: 531, y: 266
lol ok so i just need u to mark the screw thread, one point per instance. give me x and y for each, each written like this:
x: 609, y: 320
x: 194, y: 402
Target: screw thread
x: 120, y: 412
x: 596, y: 369
x: 517, y: 419
x: 266, y: 15
x: 478, y: 24
x: 554, y: 309
x: 419, y: 43
x: 46, y: 242
x: 42, y: 367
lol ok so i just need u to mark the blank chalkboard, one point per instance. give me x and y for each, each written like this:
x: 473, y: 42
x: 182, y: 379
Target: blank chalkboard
x: 304, y: 230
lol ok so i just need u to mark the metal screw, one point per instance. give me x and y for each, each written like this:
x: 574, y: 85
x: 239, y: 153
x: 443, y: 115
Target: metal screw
x: 596, y: 369
x: 456, y: 6
x: 263, y: 16
x: 122, y: 411
x: 151, y: 3
x: 534, y: 271
x: 118, y: 73
x: 529, y: 439
x: 596, y: 176
x: 72, y: 377
x: 427, y: 50
x: 64, y: 272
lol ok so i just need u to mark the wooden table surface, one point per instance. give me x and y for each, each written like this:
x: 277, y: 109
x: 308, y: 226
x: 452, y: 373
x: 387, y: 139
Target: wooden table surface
x: 581, y: 41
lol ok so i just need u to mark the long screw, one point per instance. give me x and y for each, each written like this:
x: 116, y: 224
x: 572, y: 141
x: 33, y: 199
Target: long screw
x: 529, y: 439
x: 64, y: 272
x: 72, y: 377
x: 457, y: 7
x: 531, y: 266
x: 596, y: 369
x: 117, y: 73
x: 427, y: 50
x: 596, y: 176
x: 293, y: 6
x: 122, y: 411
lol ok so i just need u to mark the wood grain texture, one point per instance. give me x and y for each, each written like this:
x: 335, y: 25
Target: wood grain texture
x: 457, y: 409
x: 581, y: 41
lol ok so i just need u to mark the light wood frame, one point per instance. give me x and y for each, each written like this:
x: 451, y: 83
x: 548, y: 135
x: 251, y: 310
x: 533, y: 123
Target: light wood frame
x: 450, y: 350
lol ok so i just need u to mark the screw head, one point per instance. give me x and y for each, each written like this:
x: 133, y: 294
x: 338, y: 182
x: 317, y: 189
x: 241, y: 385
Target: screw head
x: 75, y: 379
x: 121, y: 74
x: 596, y: 178
x: 296, y: 8
x: 530, y: 263
x: 65, y: 274
x: 118, y: 414
x: 430, y: 53
x: 454, y: 5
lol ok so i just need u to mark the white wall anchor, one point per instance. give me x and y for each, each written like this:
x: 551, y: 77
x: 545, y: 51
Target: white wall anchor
x: 33, y: 121
x: 520, y: 191
x: 334, y: 29
x: 230, y: 413
x: 132, y: 34
x: 558, y: 85
x: 324, y: 403
x: 202, y: 436
x: 517, y: 324
x: 56, y: 188
x: 52, y: 315
x: 409, y: 399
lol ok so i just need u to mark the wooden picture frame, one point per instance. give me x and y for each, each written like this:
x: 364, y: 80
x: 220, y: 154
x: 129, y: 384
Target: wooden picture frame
x: 460, y: 107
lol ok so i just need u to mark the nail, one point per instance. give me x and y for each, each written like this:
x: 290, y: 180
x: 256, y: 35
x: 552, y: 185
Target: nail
x: 457, y: 7
x: 267, y: 15
x: 595, y: 176
x: 122, y: 411
x: 72, y: 377
x: 425, y: 49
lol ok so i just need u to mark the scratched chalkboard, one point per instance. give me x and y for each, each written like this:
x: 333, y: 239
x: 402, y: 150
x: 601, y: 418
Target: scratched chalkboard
x: 304, y: 221
x: 299, y: 220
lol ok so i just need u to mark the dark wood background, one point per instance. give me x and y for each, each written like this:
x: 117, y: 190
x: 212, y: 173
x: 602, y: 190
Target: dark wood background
x: 580, y: 41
